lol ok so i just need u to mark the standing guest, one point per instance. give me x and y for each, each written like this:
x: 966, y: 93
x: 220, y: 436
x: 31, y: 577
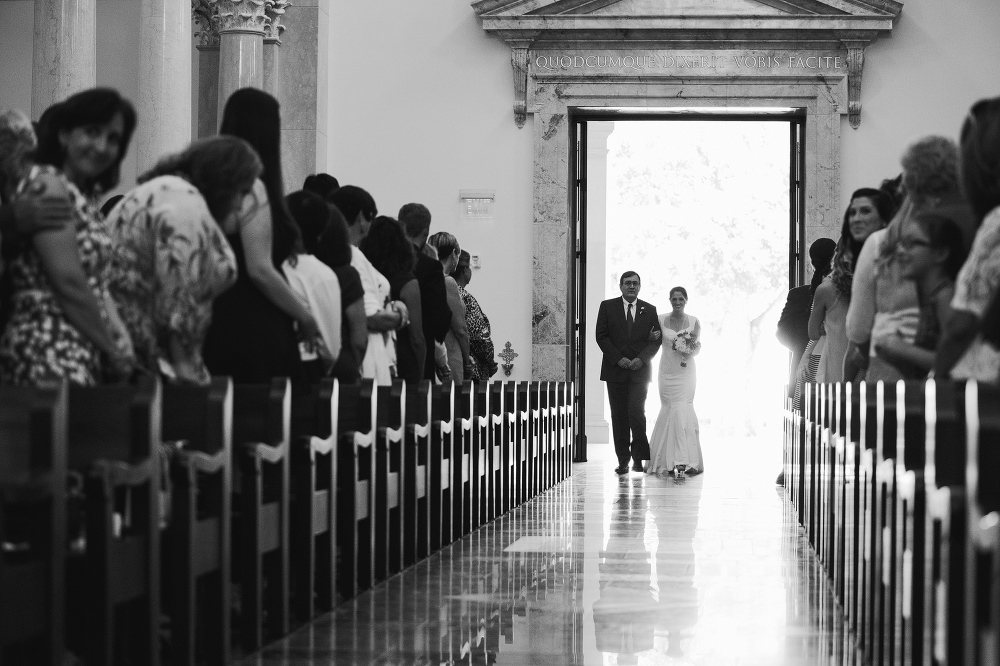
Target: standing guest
x: 333, y: 248
x: 970, y: 346
x: 828, y: 321
x: 383, y: 315
x: 415, y: 219
x: 457, y: 340
x: 931, y: 252
x: 320, y: 184
x: 481, y: 350
x: 391, y: 253
x: 882, y: 301
x: 316, y: 283
x: 253, y: 333
x: 793, y: 324
x: 171, y: 258
x: 62, y: 322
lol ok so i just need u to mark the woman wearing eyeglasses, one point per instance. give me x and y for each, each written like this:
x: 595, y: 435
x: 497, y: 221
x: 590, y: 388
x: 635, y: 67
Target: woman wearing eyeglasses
x: 930, y: 253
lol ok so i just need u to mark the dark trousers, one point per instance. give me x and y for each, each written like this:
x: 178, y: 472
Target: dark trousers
x: 628, y: 420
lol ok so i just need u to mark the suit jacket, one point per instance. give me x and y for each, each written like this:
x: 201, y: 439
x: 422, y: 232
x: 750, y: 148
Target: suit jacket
x: 616, y: 342
x: 793, y: 325
x: 433, y: 305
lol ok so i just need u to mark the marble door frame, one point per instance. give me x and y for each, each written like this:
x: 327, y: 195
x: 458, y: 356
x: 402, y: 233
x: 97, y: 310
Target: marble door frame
x: 554, y: 99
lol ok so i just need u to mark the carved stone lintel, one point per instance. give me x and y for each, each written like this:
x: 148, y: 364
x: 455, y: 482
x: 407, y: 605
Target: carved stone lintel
x: 275, y: 12
x: 206, y: 28
x: 855, y: 67
x: 241, y: 15
x: 519, y: 63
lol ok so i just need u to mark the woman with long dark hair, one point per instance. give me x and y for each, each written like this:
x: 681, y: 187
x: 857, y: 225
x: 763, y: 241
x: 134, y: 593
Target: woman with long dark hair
x: 970, y: 347
x: 391, y: 253
x: 333, y: 248
x: 253, y: 335
x: 869, y: 211
x: 63, y: 323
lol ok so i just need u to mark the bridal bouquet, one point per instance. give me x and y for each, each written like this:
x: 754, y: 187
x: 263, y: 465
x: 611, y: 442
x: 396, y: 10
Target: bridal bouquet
x: 686, y: 344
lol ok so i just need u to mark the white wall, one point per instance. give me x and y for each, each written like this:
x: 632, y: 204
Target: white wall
x: 942, y: 57
x: 420, y: 106
x: 17, y: 19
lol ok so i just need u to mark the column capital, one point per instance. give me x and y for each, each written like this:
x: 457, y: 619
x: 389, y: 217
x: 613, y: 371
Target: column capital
x: 241, y: 15
x: 275, y: 10
x: 206, y: 24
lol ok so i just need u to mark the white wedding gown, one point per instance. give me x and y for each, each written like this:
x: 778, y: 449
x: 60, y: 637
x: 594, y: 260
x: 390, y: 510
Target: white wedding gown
x: 675, y: 439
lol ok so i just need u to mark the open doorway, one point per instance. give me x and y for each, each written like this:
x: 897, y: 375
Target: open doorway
x: 709, y: 203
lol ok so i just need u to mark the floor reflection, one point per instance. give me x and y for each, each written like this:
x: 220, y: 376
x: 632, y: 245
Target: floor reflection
x: 605, y: 570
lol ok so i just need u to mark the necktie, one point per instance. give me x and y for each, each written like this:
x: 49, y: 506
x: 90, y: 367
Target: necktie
x: 629, y: 319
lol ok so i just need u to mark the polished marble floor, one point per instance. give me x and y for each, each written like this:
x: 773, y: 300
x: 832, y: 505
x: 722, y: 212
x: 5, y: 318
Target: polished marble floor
x: 606, y: 570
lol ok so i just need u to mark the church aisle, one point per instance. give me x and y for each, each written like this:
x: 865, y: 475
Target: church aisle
x: 604, y: 570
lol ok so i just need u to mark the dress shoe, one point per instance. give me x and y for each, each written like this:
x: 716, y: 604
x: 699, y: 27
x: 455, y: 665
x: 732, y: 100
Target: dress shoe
x: 621, y: 470
x: 637, y: 467
x: 780, y: 481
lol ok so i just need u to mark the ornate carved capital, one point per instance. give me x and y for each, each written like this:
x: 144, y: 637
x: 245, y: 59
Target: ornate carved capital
x: 275, y: 13
x: 206, y: 24
x: 855, y: 67
x: 241, y: 15
x: 519, y: 63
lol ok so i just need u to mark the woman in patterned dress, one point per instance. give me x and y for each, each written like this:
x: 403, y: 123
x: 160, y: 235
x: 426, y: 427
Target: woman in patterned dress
x: 171, y: 258
x: 62, y: 321
x: 481, y: 350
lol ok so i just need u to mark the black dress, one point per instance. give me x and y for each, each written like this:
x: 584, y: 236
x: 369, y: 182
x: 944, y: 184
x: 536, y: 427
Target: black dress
x: 251, y: 339
x: 406, y: 362
x: 348, y: 367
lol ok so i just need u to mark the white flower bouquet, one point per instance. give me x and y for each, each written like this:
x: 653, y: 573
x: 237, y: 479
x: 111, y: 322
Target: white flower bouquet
x: 686, y: 344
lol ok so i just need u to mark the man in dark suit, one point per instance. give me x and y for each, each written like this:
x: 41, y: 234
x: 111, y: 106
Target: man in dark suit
x: 623, y: 333
x: 416, y: 222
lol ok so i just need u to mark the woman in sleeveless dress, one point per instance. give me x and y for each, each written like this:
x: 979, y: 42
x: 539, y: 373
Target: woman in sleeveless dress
x: 675, y: 445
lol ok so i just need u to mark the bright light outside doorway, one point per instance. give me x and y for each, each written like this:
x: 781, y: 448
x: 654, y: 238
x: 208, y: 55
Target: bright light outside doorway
x: 705, y: 205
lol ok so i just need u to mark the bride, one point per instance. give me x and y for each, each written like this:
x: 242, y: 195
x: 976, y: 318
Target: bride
x: 674, y: 446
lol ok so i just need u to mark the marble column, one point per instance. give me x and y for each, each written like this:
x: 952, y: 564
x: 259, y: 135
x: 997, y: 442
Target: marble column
x: 241, y: 50
x: 597, y: 235
x: 206, y: 36
x: 272, y: 45
x: 65, y: 51
x: 302, y: 89
x: 164, y: 104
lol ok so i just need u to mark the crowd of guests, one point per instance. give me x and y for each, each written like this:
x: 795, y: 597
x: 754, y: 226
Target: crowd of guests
x: 206, y: 267
x: 911, y: 288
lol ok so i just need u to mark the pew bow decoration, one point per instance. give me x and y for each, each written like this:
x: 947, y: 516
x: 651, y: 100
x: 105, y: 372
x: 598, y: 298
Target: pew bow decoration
x: 508, y: 355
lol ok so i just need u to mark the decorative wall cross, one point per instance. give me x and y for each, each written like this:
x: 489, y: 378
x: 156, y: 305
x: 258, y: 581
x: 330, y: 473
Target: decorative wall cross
x: 507, y: 355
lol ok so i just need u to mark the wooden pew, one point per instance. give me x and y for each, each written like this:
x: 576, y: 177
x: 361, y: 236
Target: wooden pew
x: 540, y: 416
x: 313, y: 536
x: 357, y: 416
x: 462, y: 461
x: 527, y: 441
x: 198, y: 537
x: 114, y: 439
x: 262, y: 437
x: 517, y: 458
x: 905, y: 622
x: 503, y: 479
x: 869, y: 430
x: 982, y: 551
x: 824, y: 475
x: 483, y: 456
x: 416, y: 484
x: 557, y: 407
x: 386, y: 479
x: 839, y: 521
x: 883, y: 552
x: 853, y: 444
x: 441, y: 460
x: 33, y: 447
x: 945, y: 525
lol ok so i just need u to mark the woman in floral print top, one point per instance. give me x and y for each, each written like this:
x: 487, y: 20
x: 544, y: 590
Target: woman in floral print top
x: 62, y: 323
x: 171, y: 256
